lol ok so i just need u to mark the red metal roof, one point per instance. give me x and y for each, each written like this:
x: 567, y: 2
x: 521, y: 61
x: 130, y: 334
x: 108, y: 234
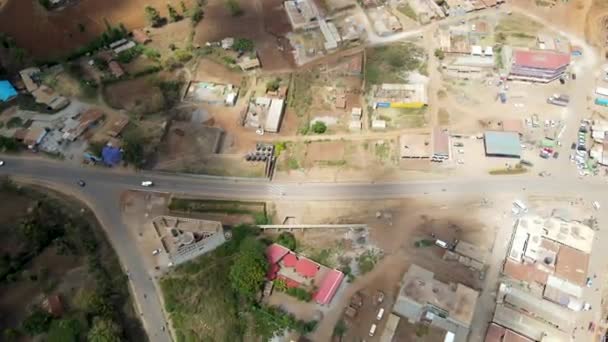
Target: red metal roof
x: 307, y: 268
x: 275, y: 252
x: 273, y: 269
x: 290, y: 260
x: 328, y: 287
x: 541, y: 59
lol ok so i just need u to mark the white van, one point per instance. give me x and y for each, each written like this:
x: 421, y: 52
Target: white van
x: 596, y: 205
x: 147, y: 183
x: 372, y: 330
x: 380, y: 314
x: 519, y: 204
x: 441, y: 244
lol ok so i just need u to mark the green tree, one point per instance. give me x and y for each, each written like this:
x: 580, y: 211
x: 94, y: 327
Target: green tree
x: 37, y: 322
x: 274, y: 84
x: 340, y: 328
x: 243, y: 45
x: 13, y: 122
x: 133, y: 148
x: 288, y: 240
x: 104, y: 330
x: 234, y: 7
x: 319, y: 127
x: 45, y: 3
x: 152, y: 16
x: 8, y: 144
x: 439, y: 54
x: 183, y: 7
x: 10, y: 334
x: 95, y: 148
x: 64, y: 330
x: 249, y: 269
x: 197, y: 14
x: 173, y: 13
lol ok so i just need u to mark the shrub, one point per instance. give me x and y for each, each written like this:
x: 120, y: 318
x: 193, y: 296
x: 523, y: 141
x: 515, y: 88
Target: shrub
x: 197, y: 14
x: 37, y: 322
x: 243, y: 45
x: 319, y: 127
x: 287, y: 239
x: 152, y: 16
x: 439, y: 54
x: 234, y: 7
x: 273, y: 85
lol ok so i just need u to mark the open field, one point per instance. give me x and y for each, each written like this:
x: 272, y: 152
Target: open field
x: 263, y: 22
x: 517, y: 30
x: 57, y: 33
x: 391, y: 63
x: 52, y: 258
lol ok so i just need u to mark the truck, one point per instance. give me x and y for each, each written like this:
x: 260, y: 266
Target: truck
x: 559, y: 100
x: 600, y: 101
x: 601, y: 91
x: 503, y: 97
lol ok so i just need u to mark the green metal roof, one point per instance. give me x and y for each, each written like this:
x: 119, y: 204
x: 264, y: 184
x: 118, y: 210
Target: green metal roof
x: 502, y: 144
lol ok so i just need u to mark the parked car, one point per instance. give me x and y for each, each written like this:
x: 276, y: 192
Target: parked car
x: 573, y: 146
x: 526, y: 163
x: 555, y: 155
x: 155, y: 252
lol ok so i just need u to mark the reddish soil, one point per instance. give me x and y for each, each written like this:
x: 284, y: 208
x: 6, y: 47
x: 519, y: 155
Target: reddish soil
x: 264, y: 23
x: 56, y: 33
x: 139, y: 95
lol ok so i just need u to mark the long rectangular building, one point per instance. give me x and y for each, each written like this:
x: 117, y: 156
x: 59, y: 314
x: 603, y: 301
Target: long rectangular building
x: 538, y: 66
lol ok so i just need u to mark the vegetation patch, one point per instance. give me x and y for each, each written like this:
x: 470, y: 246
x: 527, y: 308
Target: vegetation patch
x: 255, y: 209
x: 518, y: 169
x: 300, y: 91
x: 51, y: 247
x: 408, y: 11
x: 212, y: 298
x: 390, y: 64
x: 367, y: 261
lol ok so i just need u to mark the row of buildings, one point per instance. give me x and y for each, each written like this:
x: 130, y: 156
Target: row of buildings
x: 424, y: 299
x: 546, y: 269
x: 427, y: 10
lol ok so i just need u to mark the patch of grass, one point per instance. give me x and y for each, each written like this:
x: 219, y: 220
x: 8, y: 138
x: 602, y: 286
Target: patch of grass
x: 388, y: 64
x: 279, y: 147
x: 408, y: 11
x: 322, y: 256
x: 516, y: 28
x: 424, y: 243
x: 292, y: 163
x: 234, y: 7
x: 332, y: 163
x: 300, y: 91
x: 216, y: 206
x: 518, y: 169
x: 382, y: 150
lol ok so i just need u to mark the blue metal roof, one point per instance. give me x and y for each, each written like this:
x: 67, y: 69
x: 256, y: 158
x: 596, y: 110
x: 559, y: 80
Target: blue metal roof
x: 111, y: 155
x: 502, y: 144
x: 7, y: 91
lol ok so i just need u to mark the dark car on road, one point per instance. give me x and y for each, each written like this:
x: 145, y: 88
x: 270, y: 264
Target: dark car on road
x: 81, y: 183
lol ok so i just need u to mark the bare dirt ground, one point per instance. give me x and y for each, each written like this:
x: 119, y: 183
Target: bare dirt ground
x: 57, y: 33
x: 569, y: 14
x: 409, y: 221
x: 140, y: 95
x: 263, y: 22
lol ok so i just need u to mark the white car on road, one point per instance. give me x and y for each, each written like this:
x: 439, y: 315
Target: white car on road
x: 1, y: 162
x: 147, y: 183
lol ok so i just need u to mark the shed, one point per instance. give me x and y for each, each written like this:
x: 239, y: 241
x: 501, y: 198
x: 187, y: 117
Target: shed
x: 116, y: 69
x: 7, y: 91
x: 140, y: 36
x: 111, y: 155
x: 274, y: 115
x: 378, y: 124
x: 502, y: 144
